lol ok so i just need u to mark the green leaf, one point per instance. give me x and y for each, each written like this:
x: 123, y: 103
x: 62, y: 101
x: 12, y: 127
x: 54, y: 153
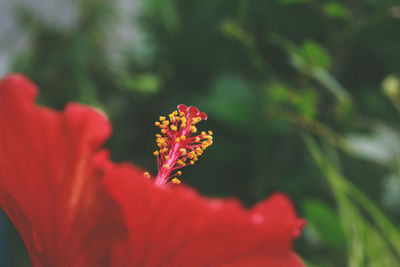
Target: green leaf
x: 325, y: 222
x: 305, y: 104
x: 312, y: 59
x: 336, y: 10
x: 233, y: 30
x: 277, y: 93
x: 315, y: 54
x: 164, y: 11
x: 232, y: 100
x: 352, y: 204
x: 142, y: 83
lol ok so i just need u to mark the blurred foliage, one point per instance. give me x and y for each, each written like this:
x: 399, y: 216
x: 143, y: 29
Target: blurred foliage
x: 294, y: 90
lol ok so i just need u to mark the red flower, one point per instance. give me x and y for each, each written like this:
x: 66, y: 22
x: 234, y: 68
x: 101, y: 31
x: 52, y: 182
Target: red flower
x: 174, y: 226
x: 66, y: 198
x: 49, y: 186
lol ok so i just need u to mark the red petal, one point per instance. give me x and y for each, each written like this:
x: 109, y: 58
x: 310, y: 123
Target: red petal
x: 49, y: 179
x: 174, y: 226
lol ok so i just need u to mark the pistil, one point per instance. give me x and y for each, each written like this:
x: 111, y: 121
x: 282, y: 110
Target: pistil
x: 178, y: 144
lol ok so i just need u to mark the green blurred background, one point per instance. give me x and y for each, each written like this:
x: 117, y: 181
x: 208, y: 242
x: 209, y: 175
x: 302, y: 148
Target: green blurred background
x: 303, y: 97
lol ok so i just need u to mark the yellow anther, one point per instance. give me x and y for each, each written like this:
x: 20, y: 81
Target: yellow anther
x: 166, y: 157
x: 193, y: 129
x: 179, y: 173
x: 165, y: 122
x: 196, y: 120
x: 165, y: 149
x: 175, y: 113
x: 163, y: 131
x: 173, y: 128
x: 191, y: 162
x: 157, y: 123
x: 181, y: 114
x: 162, y: 118
x: 155, y: 153
x: 203, y: 147
x: 197, y: 139
x: 166, y: 166
x: 210, y: 133
x: 175, y: 181
x: 183, y: 151
x: 180, y: 162
x: 183, y: 138
x: 183, y: 122
x: 203, y: 133
x: 177, y: 140
x: 158, y: 135
x: 146, y: 175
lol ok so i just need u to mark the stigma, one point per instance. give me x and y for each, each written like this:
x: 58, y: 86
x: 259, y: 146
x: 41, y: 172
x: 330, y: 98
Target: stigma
x: 179, y: 143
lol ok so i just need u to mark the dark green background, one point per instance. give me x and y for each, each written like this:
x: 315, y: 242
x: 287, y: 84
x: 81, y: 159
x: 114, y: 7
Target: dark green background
x: 292, y: 89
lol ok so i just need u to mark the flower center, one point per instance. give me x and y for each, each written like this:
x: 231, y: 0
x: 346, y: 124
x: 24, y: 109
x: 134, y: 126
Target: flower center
x: 178, y: 144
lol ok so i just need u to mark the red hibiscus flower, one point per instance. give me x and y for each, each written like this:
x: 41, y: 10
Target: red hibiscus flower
x: 49, y: 186
x: 73, y: 207
x: 174, y: 226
